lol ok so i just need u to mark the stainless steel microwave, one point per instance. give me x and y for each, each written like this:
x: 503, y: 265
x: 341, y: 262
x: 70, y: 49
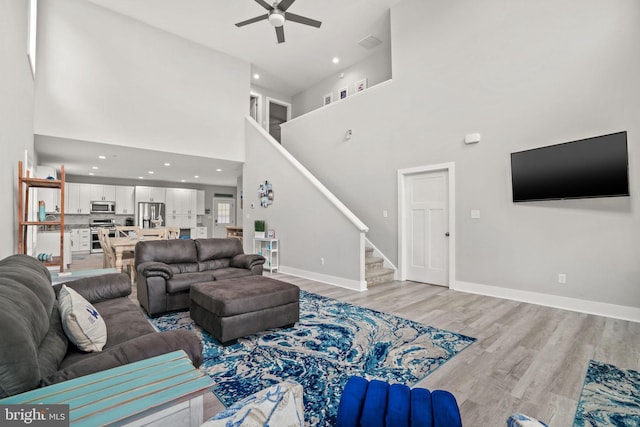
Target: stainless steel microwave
x: 103, y: 207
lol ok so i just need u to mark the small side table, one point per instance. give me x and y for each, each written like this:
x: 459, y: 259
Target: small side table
x: 164, y: 390
x: 270, y: 249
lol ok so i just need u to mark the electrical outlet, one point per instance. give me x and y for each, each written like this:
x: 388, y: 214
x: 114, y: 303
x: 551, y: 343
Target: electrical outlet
x: 562, y: 278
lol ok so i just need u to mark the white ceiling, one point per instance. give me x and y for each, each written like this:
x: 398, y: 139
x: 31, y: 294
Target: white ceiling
x: 290, y: 67
x: 287, y: 68
x: 79, y: 158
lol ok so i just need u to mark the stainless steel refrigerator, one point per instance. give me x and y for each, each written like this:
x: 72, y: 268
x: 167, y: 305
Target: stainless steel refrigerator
x: 151, y: 215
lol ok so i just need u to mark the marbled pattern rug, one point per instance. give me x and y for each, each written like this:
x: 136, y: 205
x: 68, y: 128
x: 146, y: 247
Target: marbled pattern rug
x: 610, y: 397
x: 332, y: 341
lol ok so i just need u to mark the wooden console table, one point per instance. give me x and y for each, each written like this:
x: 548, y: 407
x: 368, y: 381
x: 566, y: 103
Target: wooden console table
x: 161, y: 391
x: 234, y: 232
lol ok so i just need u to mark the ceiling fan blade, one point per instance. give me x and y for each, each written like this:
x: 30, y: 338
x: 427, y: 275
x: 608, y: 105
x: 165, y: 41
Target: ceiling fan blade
x: 252, y: 20
x: 302, y: 20
x: 285, y: 4
x: 280, y: 34
x: 264, y: 4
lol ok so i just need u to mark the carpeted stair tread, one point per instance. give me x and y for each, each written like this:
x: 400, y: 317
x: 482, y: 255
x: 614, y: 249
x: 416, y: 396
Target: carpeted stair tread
x: 379, y: 276
x: 373, y: 262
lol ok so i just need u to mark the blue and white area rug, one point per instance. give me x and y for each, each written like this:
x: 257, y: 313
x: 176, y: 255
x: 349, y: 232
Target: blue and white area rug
x: 610, y: 397
x: 332, y: 341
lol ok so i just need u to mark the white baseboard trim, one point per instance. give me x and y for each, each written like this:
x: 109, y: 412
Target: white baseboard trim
x: 325, y: 278
x: 615, y: 311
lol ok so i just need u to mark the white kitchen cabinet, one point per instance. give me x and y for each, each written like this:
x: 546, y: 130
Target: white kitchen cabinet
x: 77, y: 198
x: 200, y: 202
x: 125, y: 200
x: 150, y: 194
x: 181, y: 220
x: 80, y: 240
x: 199, y: 233
x: 181, y: 201
x: 99, y: 192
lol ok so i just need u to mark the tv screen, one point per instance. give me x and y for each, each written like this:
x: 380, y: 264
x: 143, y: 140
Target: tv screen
x: 592, y: 167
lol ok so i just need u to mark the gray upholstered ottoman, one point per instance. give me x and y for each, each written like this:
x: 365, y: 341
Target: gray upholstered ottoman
x: 234, y: 308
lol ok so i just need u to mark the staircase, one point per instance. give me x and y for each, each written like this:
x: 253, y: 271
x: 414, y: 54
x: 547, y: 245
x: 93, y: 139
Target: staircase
x: 375, y: 273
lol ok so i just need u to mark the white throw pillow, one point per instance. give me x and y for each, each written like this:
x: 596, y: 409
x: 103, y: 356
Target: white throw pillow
x: 81, y: 321
x: 278, y: 405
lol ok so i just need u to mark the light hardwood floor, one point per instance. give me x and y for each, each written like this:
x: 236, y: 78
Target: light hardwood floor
x: 527, y: 358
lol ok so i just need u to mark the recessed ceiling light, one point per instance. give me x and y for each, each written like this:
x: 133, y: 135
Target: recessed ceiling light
x: 183, y: 180
x: 140, y: 177
x: 101, y: 157
x: 336, y: 59
x: 94, y: 168
x: 91, y: 173
x: 196, y: 176
x: 218, y: 170
x: 167, y: 164
x: 150, y: 172
x: 256, y: 76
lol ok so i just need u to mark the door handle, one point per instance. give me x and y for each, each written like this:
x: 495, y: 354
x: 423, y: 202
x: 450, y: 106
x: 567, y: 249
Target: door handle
x: 446, y: 234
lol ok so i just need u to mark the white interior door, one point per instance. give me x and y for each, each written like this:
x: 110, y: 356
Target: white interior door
x: 427, y: 225
x: 224, y: 215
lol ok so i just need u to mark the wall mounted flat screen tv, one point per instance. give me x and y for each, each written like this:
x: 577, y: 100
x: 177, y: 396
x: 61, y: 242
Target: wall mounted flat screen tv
x: 592, y: 167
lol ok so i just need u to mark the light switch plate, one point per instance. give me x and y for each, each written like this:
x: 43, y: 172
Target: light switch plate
x: 475, y: 213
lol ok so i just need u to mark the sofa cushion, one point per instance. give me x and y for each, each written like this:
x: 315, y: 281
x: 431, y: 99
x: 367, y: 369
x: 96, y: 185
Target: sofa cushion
x: 182, y: 282
x: 218, y: 248
x: 25, y: 310
x: 184, y: 267
x: 81, y: 321
x: 174, y: 251
x: 53, y: 347
x: 230, y: 273
x: 25, y: 323
x: 124, y: 322
x: 214, y: 264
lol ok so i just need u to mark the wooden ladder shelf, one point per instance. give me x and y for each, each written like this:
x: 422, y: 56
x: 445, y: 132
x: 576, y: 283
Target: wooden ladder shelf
x: 25, y: 182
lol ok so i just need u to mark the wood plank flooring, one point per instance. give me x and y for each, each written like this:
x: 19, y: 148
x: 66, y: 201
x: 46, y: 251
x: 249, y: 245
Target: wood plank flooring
x: 527, y: 358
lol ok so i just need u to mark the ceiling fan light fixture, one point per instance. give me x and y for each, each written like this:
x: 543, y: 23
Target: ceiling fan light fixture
x: 276, y: 18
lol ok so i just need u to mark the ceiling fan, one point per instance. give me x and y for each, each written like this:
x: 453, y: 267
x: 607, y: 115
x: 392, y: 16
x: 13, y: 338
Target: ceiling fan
x: 277, y: 15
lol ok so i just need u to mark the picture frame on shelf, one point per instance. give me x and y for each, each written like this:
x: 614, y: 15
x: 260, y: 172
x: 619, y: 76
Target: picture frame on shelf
x: 271, y: 233
x: 361, y: 85
x: 343, y: 93
x: 327, y: 99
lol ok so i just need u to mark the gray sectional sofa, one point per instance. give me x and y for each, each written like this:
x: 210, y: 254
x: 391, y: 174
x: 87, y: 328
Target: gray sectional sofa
x: 34, y: 349
x: 166, y: 269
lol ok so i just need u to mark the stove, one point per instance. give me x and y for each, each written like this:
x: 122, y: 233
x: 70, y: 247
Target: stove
x: 100, y: 223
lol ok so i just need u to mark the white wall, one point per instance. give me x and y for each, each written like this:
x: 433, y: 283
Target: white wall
x: 16, y: 114
x: 376, y: 68
x: 307, y: 225
x: 264, y: 94
x: 108, y: 78
x: 523, y: 74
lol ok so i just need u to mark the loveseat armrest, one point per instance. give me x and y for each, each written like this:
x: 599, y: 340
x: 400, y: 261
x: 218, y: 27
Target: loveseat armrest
x: 100, y: 288
x: 155, y: 269
x: 247, y: 261
x: 140, y: 348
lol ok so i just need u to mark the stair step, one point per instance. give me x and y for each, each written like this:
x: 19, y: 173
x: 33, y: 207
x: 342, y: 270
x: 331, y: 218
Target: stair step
x: 379, y: 276
x: 368, y: 252
x: 372, y: 263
